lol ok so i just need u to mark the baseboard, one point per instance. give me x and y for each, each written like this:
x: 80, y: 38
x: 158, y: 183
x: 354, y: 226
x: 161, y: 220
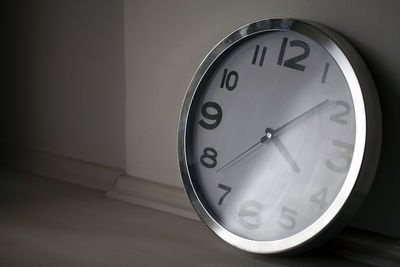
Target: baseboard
x: 357, y: 245
x: 152, y: 195
x: 106, y: 179
x: 51, y: 165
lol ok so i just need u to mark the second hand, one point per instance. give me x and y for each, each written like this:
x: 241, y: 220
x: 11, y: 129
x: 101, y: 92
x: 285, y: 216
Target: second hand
x: 244, y: 152
x: 269, y: 134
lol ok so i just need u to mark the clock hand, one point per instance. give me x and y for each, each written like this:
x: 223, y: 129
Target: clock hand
x: 241, y: 154
x: 270, y: 134
x: 278, y: 131
x: 285, y: 153
x: 278, y: 143
x: 264, y: 139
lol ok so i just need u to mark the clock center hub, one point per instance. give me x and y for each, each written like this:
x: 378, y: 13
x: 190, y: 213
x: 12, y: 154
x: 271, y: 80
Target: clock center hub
x: 268, y: 135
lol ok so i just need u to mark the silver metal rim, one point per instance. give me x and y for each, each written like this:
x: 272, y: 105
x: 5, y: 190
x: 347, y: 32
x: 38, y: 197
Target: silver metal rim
x: 338, y: 49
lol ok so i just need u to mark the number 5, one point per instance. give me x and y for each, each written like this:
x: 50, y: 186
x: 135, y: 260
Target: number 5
x: 288, y: 220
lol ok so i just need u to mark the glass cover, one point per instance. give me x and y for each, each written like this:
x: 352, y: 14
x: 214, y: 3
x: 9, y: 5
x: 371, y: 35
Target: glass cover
x: 272, y: 136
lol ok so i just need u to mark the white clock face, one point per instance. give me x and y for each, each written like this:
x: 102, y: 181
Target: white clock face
x: 272, y: 136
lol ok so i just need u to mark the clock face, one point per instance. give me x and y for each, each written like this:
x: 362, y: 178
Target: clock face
x: 272, y: 137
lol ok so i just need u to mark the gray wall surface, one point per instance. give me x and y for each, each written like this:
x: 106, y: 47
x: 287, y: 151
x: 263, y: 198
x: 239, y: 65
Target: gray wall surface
x: 165, y: 41
x: 65, y: 89
x: 64, y: 78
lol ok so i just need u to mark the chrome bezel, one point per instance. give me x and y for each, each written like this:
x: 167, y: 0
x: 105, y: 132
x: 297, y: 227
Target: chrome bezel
x: 360, y: 175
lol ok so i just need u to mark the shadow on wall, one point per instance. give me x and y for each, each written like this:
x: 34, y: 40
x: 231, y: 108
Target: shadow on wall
x: 64, y: 79
x: 380, y: 208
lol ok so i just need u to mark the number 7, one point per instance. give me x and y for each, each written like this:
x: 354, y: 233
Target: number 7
x: 227, y: 189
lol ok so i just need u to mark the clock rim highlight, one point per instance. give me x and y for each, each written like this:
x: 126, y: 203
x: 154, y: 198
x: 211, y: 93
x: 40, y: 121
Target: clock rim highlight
x: 366, y: 148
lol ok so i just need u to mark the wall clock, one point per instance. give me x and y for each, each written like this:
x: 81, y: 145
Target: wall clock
x: 279, y: 136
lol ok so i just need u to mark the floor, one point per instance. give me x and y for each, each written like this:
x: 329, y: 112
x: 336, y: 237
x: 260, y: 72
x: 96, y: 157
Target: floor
x: 46, y: 222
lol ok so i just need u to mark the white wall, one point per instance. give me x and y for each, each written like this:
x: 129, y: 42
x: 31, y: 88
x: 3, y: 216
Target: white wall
x: 66, y: 83
x: 166, y: 40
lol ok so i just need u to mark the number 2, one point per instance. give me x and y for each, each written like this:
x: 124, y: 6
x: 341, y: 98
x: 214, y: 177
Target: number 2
x: 339, y: 116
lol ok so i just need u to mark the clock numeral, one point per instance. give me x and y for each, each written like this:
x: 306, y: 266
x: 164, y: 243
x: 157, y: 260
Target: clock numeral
x: 264, y: 50
x: 288, y: 218
x: 325, y: 72
x: 209, y: 157
x: 227, y: 190
x: 320, y: 197
x: 292, y: 62
x: 216, y: 116
x: 282, y: 52
x: 249, y: 216
x: 345, y: 155
x: 338, y: 117
x: 229, y: 79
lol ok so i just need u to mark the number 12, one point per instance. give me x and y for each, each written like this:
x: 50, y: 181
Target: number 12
x: 292, y: 62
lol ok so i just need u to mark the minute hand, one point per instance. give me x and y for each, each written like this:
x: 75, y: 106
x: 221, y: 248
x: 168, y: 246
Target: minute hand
x: 278, y: 131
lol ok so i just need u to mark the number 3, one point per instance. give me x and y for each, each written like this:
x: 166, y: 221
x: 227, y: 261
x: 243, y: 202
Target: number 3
x: 345, y: 155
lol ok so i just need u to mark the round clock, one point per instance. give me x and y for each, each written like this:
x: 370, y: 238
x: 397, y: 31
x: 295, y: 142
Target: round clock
x: 279, y: 136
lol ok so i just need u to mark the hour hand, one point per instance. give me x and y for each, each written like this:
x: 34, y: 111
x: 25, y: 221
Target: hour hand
x: 270, y: 137
x: 285, y: 153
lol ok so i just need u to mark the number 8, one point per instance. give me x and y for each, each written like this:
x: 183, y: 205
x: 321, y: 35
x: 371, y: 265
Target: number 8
x: 211, y: 154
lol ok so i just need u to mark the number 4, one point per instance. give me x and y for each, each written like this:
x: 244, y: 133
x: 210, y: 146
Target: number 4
x: 320, y: 197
